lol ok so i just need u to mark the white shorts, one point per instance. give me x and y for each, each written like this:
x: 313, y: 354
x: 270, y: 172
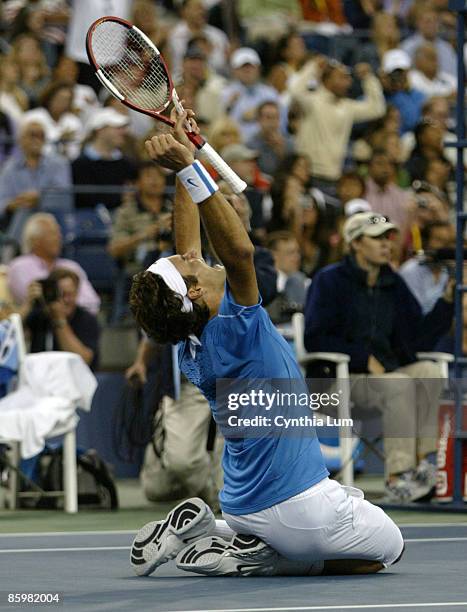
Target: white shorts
x: 326, y: 522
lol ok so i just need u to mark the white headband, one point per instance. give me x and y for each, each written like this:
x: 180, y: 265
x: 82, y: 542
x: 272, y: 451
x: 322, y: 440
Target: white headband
x: 173, y: 279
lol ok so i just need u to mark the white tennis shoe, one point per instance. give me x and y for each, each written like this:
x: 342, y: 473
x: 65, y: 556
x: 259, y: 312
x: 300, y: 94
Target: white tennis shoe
x: 243, y: 555
x: 159, y: 541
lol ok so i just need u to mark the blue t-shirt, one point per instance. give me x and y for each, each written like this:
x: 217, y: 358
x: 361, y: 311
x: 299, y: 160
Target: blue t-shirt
x: 242, y: 343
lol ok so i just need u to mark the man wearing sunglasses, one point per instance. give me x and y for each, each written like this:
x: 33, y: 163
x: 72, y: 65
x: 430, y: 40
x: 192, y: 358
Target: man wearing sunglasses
x: 362, y: 307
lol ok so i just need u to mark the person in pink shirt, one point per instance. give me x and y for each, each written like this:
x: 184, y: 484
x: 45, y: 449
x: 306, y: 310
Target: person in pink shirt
x: 384, y: 196
x: 42, y: 244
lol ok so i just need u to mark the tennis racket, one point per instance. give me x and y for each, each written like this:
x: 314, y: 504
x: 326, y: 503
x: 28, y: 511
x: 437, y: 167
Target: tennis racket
x: 131, y: 67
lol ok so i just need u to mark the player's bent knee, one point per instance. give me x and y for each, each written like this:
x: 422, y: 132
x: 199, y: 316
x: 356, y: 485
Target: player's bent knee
x: 352, y: 566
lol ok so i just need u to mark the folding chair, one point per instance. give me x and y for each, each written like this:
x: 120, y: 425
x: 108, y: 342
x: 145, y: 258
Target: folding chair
x: 13, y: 354
x: 342, y: 374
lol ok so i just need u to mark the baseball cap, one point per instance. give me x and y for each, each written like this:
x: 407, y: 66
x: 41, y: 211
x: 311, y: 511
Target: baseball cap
x: 106, y: 117
x: 396, y: 59
x: 366, y: 224
x: 244, y: 55
x: 357, y: 205
x: 238, y: 152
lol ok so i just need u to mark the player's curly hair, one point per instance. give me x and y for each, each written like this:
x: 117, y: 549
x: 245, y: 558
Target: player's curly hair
x: 157, y: 309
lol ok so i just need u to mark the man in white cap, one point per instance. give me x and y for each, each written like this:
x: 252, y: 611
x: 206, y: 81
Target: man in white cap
x: 361, y: 307
x: 394, y: 77
x: 277, y: 495
x: 243, y: 96
x: 102, y: 161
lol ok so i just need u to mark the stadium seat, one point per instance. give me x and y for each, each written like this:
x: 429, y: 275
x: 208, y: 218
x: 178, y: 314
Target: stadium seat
x: 86, y: 234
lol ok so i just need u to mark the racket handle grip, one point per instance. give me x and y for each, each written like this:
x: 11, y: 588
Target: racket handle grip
x: 225, y: 171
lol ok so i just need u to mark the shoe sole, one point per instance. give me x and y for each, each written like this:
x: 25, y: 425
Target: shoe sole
x: 216, y: 557
x: 160, y: 541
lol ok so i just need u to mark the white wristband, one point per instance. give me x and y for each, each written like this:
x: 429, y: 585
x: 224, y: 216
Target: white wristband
x: 197, y: 182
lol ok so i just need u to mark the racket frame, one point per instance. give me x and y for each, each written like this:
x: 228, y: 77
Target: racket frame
x: 196, y: 139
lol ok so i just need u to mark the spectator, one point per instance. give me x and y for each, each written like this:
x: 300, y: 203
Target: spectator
x: 361, y: 307
x: 42, y: 243
x: 44, y: 20
x: 329, y: 11
x: 83, y: 13
x: 430, y: 207
x: 268, y: 141
x: 437, y: 173
x: 385, y: 35
x: 142, y: 221
x: 223, y: 132
x: 437, y: 110
x: 398, y: 92
x: 193, y: 23
x: 394, y: 148
x: 350, y: 186
x: 328, y: 117
x: 242, y: 160
x: 447, y: 343
x: 266, y: 20
x: 291, y: 282
x: 56, y: 322
x: 101, y: 162
x: 304, y: 212
x: 177, y: 462
x: 13, y: 100
x: 426, y: 276
x: 63, y: 129
x: 289, y: 187
x: 33, y: 69
x: 144, y: 15
x: 426, y: 76
x: 6, y: 137
x: 292, y: 54
x: 26, y: 175
x: 427, y: 25
x: 428, y: 146
x: 359, y: 13
x: 242, y: 97
x: 201, y: 88
x: 84, y: 97
x: 382, y: 193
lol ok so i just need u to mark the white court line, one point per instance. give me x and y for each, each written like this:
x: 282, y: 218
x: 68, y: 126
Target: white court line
x: 5, y: 551
x: 38, y: 534
x: 440, y: 605
x: 430, y: 525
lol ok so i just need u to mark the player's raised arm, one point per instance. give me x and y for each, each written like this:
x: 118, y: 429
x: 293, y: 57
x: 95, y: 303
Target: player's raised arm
x: 187, y: 232
x: 223, y: 226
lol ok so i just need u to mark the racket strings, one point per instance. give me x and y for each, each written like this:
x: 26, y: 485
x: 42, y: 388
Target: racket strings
x: 131, y: 65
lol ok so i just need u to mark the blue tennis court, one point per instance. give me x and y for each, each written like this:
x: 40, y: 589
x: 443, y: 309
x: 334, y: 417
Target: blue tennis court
x: 91, y: 572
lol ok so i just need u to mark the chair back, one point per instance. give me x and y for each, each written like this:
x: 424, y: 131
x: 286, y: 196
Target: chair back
x: 298, y: 328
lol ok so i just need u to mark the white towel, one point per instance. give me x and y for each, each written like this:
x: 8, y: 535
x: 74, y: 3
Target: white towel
x: 53, y: 385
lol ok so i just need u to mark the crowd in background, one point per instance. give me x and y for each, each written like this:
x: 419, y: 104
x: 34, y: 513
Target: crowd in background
x: 325, y: 109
